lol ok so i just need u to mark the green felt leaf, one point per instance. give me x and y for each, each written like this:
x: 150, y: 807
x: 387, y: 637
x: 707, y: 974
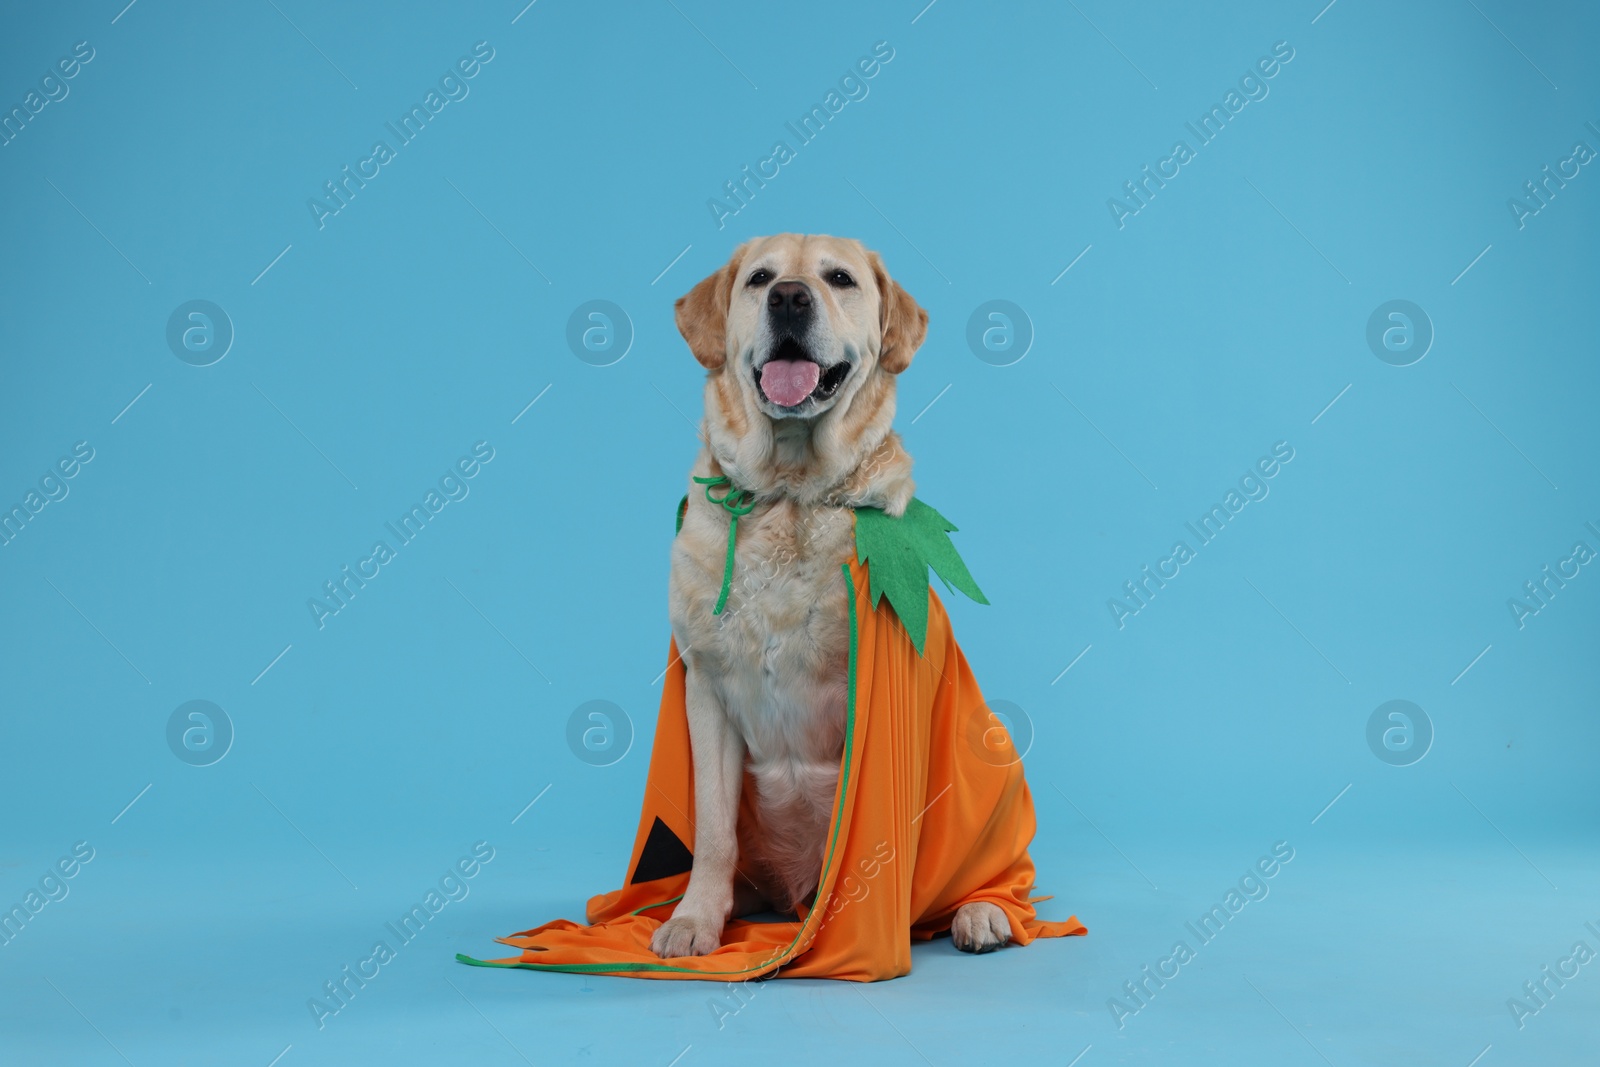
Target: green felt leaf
x: 898, y: 553
x: 931, y: 531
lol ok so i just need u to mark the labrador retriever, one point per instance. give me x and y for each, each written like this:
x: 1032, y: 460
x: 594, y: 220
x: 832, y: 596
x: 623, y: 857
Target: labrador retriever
x: 802, y: 337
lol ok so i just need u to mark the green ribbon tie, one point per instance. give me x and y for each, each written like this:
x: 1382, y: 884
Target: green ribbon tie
x: 735, y: 502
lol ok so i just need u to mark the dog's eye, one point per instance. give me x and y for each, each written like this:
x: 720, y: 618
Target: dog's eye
x: 760, y: 277
x: 840, y: 279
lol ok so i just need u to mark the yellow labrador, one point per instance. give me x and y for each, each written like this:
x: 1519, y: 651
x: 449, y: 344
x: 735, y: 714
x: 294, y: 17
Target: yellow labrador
x: 802, y: 336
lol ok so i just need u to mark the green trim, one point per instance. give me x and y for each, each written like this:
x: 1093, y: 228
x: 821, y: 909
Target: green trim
x: 573, y: 968
x: 683, y: 506
x: 735, y: 502
x: 833, y: 843
x: 659, y: 904
x: 898, y: 553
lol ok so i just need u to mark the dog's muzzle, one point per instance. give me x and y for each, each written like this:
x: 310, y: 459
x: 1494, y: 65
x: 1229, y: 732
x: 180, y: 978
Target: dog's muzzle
x: 790, y: 375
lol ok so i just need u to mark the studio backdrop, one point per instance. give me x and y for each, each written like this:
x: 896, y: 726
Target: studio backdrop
x: 344, y: 421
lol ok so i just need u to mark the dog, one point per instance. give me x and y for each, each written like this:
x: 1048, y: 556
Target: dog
x: 802, y: 338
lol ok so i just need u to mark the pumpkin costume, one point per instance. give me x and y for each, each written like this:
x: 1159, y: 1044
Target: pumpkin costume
x: 932, y: 811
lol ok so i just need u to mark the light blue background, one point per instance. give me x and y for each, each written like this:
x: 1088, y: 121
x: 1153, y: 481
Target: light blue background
x: 432, y: 309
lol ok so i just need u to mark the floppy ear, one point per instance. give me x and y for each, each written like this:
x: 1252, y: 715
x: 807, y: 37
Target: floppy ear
x: 903, y: 322
x: 702, y: 316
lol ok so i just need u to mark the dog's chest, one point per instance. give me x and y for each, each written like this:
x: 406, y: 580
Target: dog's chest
x: 779, y: 651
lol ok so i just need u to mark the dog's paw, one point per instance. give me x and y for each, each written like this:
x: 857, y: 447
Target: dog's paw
x: 980, y: 927
x: 686, y: 935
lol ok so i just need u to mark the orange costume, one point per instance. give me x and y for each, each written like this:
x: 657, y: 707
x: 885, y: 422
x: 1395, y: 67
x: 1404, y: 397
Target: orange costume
x: 932, y: 811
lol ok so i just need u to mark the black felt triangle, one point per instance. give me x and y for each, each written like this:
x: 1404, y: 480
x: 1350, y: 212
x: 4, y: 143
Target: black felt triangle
x: 664, y: 855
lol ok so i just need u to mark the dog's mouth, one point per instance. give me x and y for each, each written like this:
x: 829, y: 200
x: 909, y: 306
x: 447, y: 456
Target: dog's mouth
x: 790, y: 376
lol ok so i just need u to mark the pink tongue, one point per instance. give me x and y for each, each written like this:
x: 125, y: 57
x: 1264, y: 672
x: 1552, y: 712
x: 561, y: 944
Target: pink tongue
x: 786, y: 382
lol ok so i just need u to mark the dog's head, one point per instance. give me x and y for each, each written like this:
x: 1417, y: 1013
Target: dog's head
x: 800, y: 323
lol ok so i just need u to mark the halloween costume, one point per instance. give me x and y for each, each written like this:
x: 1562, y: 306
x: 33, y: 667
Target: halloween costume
x: 932, y: 811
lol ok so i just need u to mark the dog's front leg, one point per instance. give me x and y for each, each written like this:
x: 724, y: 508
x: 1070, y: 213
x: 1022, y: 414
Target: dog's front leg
x: 718, y: 752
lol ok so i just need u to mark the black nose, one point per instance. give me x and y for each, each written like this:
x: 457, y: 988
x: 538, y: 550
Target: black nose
x: 789, y: 303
